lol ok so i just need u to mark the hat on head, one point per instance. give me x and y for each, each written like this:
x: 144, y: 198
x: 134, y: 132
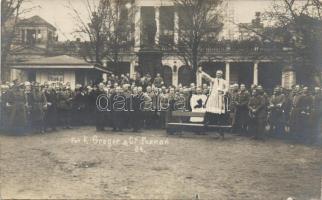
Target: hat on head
x: 21, y: 85
x: 27, y: 83
x: 219, y: 72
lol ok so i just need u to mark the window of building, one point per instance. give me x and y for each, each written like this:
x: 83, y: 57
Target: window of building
x: 56, y: 76
x: 166, y: 25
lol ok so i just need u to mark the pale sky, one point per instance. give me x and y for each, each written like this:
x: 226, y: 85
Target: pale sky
x: 59, y: 14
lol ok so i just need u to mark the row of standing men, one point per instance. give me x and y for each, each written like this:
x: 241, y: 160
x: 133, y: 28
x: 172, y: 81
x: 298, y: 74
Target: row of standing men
x: 38, y: 107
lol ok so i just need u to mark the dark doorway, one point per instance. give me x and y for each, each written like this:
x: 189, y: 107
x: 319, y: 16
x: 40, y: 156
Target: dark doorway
x: 80, y: 76
x: 31, y: 76
x: 119, y: 68
x: 269, y: 75
x: 167, y: 75
x: 184, y: 75
x: 241, y: 73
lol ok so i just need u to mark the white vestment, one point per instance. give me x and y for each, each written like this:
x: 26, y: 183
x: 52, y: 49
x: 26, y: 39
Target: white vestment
x: 197, y: 103
x: 216, y: 102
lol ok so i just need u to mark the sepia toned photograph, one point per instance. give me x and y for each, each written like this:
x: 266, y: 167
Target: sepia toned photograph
x: 161, y: 99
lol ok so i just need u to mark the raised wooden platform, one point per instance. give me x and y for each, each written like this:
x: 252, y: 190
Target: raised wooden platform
x: 179, y: 121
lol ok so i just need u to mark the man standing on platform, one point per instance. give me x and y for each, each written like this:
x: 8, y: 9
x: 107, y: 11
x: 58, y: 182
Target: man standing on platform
x: 215, y: 106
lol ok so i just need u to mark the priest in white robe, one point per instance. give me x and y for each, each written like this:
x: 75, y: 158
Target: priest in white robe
x: 216, y: 103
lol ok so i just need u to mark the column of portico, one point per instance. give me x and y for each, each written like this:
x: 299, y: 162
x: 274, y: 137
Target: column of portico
x: 175, y: 78
x: 25, y: 39
x: 255, y: 76
x: 227, y: 72
x: 157, y: 20
x: 176, y: 28
x: 199, y: 78
x: 175, y: 73
x: 137, y: 29
x: 132, y: 69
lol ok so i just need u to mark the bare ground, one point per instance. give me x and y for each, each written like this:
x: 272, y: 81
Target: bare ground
x: 84, y: 164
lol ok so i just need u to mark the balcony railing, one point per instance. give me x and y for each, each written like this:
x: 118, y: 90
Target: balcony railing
x: 231, y: 47
x: 221, y: 47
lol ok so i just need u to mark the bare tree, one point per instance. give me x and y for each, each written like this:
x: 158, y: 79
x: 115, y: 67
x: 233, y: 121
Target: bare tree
x: 10, y: 11
x: 297, y: 24
x: 199, y: 25
x: 105, y: 31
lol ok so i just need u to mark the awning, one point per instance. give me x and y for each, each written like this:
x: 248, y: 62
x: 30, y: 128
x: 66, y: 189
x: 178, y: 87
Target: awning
x: 57, y: 62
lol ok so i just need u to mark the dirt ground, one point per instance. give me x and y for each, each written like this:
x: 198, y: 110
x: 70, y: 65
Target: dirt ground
x: 84, y: 164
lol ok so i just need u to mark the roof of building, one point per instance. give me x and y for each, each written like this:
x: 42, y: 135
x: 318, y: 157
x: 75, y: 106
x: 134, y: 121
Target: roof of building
x: 35, y: 21
x: 55, y: 62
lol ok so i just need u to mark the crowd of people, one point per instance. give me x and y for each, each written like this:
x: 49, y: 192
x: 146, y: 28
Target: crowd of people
x: 144, y: 102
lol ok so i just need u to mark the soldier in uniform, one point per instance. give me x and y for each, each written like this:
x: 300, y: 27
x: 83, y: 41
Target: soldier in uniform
x: 258, y: 115
x: 65, y: 97
x: 29, y: 99
x: 118, y: 101
x: 124, y: 79
x: 18, y: 114
x: 100, y: 100
x: 155, y: 96
x: 303, y: 107
x: 187, y: 95
x: 277, y: 111
x: 126, y: 112
x: 148, y: 107
x: 317, y: 109
x: 51, y: 112
x: 138, y: 106
x: 91, y: 104
x: 158, y: 81
x: 39, y: 106
x: 4, y: 110
x: 241, y: 117
x: 232, y: 96
x: 163, y: 107
x: 79, y: 103
x: 295, y: 111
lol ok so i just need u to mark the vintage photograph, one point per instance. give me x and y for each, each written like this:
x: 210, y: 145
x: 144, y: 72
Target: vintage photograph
x: 161, y: 99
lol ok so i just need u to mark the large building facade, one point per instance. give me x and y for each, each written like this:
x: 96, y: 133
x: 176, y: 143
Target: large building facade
x: 241, y: 61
